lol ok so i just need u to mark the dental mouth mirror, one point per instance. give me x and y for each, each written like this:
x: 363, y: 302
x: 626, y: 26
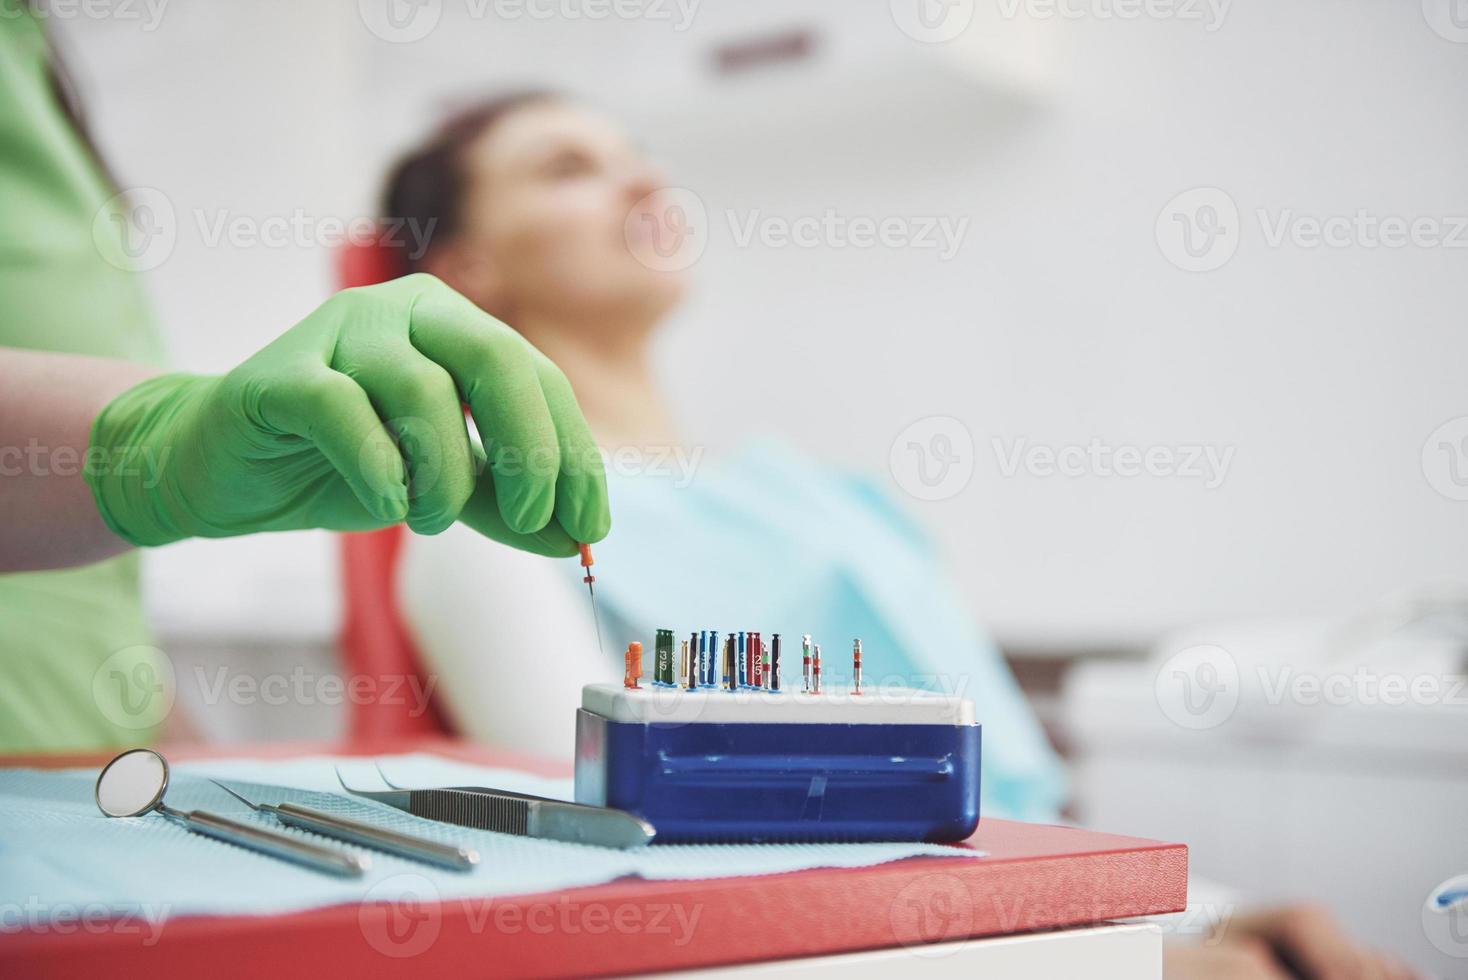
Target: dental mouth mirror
x: 133, y: 784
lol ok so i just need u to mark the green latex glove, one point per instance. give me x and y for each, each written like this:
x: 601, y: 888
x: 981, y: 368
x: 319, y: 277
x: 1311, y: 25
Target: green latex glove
x: 353, y: 420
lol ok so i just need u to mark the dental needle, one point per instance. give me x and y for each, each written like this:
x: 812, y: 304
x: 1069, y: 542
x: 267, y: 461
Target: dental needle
x: 586, y: 562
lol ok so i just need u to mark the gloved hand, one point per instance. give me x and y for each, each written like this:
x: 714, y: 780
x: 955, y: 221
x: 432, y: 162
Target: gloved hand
x: 353, y: 420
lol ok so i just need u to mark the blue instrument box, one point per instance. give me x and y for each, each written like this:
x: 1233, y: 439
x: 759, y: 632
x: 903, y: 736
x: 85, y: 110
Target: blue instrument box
x: 751, y: 766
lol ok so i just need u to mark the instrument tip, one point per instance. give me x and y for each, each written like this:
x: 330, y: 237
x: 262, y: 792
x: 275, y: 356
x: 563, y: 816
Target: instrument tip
x: 237, y: 796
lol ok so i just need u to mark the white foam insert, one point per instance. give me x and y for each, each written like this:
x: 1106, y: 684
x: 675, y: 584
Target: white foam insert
x: 873, y: 706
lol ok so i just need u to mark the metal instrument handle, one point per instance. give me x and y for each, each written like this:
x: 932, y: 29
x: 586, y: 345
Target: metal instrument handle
x: 367, y: 835
x: 317, y: 856
x: 582, y: 824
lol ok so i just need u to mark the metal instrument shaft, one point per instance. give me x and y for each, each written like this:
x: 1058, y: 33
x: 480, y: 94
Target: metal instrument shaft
x: 588, y: 578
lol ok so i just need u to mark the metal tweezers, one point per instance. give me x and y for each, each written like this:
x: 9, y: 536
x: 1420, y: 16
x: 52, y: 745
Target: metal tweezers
x: 515, y: 813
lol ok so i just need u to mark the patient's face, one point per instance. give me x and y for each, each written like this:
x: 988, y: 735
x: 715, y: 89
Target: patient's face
x: 552, y: 187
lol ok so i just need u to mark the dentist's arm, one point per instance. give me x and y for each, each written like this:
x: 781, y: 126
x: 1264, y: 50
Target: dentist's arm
x: 351, y: 420
x: 48, y: 518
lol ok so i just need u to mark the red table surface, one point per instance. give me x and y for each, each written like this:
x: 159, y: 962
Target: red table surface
x: 1035, y: 877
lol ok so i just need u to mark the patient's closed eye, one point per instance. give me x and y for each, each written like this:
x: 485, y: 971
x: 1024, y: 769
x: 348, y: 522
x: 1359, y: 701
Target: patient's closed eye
x: 568, y: 163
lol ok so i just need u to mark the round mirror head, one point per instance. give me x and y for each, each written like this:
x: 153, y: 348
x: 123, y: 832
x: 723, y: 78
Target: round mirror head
x: 132, y: 784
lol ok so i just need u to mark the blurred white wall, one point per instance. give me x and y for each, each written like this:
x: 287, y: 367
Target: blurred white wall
x: 1059, y: 320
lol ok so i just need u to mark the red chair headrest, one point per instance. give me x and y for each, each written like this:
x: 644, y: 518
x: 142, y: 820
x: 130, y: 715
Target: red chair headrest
x: 365, y: 263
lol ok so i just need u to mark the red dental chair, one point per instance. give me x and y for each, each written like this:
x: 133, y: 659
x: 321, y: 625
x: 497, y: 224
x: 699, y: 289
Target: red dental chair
x: 375, y: 641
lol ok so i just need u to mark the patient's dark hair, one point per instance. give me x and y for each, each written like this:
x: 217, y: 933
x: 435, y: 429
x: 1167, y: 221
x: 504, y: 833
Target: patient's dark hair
x: 426, y: 188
